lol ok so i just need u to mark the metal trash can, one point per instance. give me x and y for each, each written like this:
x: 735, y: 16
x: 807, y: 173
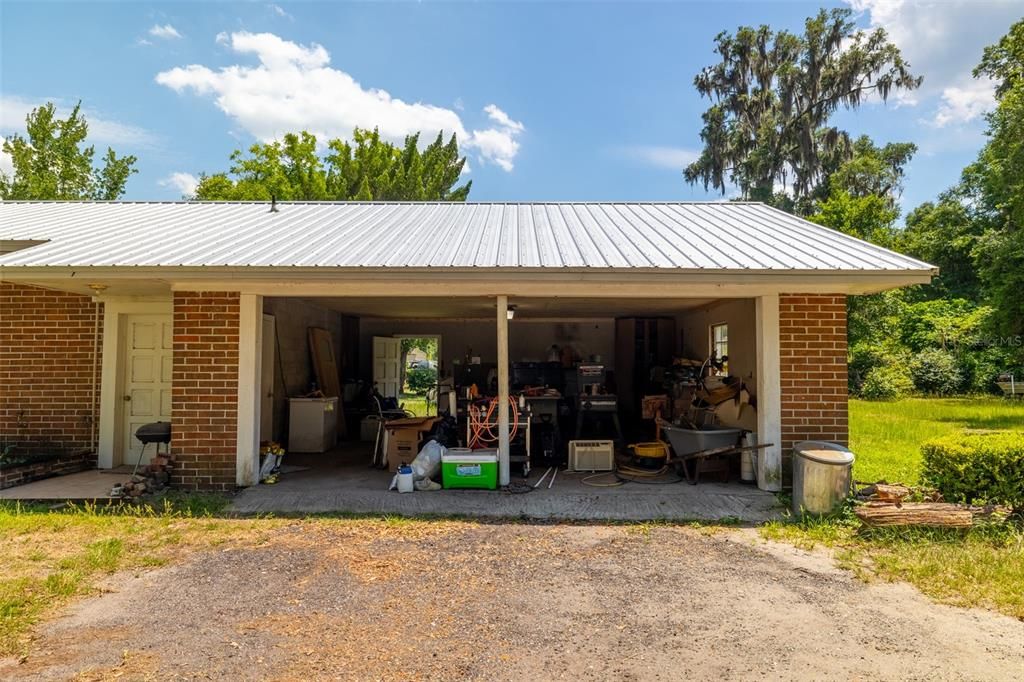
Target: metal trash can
x: 822, y: 476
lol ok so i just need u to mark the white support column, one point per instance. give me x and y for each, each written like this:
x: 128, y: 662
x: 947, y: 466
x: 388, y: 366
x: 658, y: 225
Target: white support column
x: 110, y: 393
x: 504, y: 473
x: 250, y: 344
x: 769, y: 393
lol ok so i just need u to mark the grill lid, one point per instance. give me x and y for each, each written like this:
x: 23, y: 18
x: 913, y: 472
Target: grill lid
x: 154, y: 432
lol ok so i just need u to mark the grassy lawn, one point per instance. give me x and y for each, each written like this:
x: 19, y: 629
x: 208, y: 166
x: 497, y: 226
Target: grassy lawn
x: 417, y: 404
x: 887, y: 436
x: 983, y: 567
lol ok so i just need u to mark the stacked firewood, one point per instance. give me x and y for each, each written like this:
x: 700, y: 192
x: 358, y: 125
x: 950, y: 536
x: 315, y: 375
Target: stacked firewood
x: 884, y: 504
x: 153, y: 478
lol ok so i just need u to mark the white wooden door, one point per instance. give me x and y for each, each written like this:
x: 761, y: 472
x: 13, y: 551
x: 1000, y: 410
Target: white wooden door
x: 267, y: 378
x: 147, y: 379
x: 387, y: 365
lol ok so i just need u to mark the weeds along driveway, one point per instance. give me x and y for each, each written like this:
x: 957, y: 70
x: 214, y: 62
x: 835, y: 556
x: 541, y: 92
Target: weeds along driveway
x: 445, y: 600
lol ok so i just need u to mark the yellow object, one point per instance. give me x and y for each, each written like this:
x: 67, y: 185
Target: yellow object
x: 653, y: 449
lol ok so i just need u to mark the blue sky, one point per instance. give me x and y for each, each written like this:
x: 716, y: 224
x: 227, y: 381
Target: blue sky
x: 552, y: 100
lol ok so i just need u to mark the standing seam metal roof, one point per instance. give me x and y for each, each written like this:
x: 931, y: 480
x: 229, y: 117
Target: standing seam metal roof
x: 669, y: 235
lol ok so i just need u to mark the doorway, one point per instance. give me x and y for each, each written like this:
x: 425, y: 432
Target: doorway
x: 420, y: 372
x: 146, y: 391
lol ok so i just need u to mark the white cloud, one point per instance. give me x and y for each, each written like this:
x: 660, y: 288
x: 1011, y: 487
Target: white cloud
x: 294, y: 88
x: 280, y: 11
x: 102, y: 130
x: 672, y: 158
x: 6, y: 163
x: 964, y: 104
x: 943, y: 41
x: 185, y: 183
x: 498, y: 145
x: 165, y: 32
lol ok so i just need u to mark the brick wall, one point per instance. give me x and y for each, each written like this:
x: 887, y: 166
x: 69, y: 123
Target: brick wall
x: 205, y: 391
x: 34, y: 471
x: 47, y: 340
x: 812, y: 337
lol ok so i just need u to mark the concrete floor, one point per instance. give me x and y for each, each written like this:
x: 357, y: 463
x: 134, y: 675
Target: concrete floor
x: 340, y: 481
x: 84, y: 485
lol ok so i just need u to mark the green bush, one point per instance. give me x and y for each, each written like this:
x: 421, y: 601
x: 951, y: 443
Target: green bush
x: 420, y: 380
x: 865, y: 356
x: 977, y: 468
x: 886, y: 382
x: 935, y: 371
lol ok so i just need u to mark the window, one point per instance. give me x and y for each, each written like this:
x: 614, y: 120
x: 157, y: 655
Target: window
x: 720, y: 343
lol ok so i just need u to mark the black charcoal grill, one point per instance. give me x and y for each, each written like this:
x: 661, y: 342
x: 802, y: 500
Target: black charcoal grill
x: 154, y: 432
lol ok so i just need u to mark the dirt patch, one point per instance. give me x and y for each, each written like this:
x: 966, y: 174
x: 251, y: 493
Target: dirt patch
x: 461, y: 600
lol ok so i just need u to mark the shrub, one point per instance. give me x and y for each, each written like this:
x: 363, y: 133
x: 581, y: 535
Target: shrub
x: 421, y: 379
x: 886, y: 382
x: 935, y: 371
x: 865, y: 356
x: 977, y: 468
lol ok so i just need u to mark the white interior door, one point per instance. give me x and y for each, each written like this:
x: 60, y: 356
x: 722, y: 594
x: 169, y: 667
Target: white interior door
x: 387, y: 365
x: 147, y: 378
x: 267, y: 378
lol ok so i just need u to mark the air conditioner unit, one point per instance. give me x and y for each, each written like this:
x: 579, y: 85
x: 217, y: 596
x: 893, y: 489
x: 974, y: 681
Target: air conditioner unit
x: 591, y: 455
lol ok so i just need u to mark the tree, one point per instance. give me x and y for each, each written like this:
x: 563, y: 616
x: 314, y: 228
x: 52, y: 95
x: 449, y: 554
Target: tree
x: 992, y: 188
x: 367, y: 168
x: 773, y: 94
x: 860, y: 196
x: 944, y: 233
x: 52, y: 163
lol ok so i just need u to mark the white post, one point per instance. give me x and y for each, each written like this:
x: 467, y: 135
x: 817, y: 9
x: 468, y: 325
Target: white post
x: 504, y: 474
x: 250, y: 344
x: 110, y: 388
x: 769, y: 393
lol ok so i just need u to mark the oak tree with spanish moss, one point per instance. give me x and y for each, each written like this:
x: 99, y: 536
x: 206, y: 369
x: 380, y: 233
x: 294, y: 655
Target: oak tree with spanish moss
x: 773, y: 95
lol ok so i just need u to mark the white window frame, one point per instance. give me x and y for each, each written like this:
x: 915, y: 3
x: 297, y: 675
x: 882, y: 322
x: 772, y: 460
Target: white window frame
x: 713, y: 344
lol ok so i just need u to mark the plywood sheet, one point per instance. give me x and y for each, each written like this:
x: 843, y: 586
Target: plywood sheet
x: 321, y: 347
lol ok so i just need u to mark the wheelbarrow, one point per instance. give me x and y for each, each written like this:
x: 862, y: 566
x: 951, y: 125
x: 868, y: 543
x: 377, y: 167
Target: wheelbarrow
x: 705, y: 449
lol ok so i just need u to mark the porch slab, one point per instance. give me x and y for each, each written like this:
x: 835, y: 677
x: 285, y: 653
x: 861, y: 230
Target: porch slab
x: 356, y: 488
x: 84, y: 485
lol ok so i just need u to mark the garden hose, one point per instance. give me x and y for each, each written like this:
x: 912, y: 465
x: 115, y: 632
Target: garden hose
x: 484, y: 431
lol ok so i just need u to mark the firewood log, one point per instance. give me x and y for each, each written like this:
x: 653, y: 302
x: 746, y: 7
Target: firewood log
x: 932, y: 514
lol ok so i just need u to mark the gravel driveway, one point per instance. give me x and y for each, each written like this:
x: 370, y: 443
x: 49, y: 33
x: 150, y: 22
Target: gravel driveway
x: 448, y: 600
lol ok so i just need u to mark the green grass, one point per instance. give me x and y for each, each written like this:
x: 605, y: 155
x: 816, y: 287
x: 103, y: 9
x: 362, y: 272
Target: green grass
x: 982, y: 567
x: 886, y: 437
x: 417, y: 404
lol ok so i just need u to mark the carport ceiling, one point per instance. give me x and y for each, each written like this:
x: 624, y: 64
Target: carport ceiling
x: 418, y: 307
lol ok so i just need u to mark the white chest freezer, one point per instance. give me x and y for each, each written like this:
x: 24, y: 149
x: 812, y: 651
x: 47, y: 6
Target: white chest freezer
x: 312, y: 424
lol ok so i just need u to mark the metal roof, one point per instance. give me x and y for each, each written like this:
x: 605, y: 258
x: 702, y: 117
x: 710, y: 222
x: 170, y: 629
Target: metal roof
x: 693, y: 236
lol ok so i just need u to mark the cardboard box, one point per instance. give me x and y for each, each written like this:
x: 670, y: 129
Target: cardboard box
x: 404, y: 438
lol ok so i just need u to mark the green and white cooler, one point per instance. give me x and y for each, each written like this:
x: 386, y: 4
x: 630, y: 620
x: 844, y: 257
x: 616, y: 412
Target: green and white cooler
x: 465, y: 468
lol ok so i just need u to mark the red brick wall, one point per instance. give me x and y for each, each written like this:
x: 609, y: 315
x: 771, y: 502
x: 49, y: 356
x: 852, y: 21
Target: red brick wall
x: 205, y: 391
x: 812, y: 336
x: 47, y: 340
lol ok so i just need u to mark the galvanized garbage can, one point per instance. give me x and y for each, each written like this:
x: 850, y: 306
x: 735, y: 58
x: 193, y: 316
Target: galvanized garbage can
x: 822, y: 476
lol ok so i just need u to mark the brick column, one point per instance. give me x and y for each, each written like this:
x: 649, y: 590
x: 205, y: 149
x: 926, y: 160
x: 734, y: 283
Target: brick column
x: 205, y: 389
x: 812, y: 341
x: 47, y: 377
